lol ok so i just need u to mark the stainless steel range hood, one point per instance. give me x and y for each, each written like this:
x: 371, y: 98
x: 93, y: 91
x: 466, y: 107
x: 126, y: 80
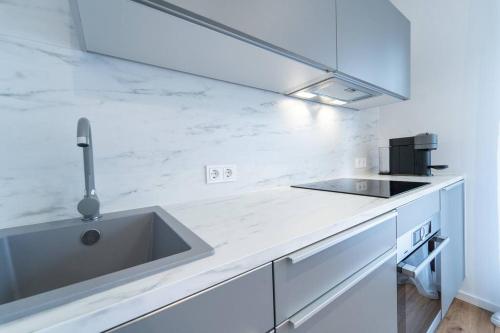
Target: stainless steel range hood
x: 233, y: 42
x: 339, y: 90
x: 336, y: 91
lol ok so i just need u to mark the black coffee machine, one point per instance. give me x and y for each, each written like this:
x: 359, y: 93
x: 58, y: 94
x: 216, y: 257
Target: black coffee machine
x: 412, y: 155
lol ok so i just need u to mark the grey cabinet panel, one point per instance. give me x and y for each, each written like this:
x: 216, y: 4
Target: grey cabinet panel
x: 452, y: 257
x: 417, y: 212
x: 369, y: 306
x: 241, y: 305
x: 373, y: 43
x: 306, y: 28
x: 132, y: 31
x: 298, y: 284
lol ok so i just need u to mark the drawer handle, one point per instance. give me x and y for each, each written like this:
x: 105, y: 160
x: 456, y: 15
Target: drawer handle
x: 412, y: 271
x: 312, y: 309
x: 320, y: 246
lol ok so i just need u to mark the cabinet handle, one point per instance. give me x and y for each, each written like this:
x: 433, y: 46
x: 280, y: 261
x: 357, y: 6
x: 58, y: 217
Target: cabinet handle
x: 452, y: 186
x: 412, y: 271
x: 312, y: 309
x: 322, y: 245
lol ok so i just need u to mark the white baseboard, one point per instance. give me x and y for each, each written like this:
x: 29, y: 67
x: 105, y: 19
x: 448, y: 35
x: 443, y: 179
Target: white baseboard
x: 478, y: 301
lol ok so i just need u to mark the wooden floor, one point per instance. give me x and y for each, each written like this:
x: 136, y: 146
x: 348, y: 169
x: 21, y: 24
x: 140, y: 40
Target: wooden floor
x: 467, y: 318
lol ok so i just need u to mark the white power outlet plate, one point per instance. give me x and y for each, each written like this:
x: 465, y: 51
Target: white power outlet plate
x: 360, y: 162
x: 220, y: 173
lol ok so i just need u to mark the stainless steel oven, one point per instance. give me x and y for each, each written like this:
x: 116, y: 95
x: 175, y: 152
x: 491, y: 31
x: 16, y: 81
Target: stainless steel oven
x: 419, y: 276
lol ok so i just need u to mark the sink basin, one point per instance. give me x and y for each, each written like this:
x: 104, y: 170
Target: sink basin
x: 49, y: 264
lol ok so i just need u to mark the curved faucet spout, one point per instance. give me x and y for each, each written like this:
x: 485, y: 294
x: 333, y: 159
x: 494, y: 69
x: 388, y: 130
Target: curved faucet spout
x: 89, y: 206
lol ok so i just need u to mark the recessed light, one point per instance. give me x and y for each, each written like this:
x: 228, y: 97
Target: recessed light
x: 332, y: 101
x: 304, y: 94
x: 338, y: 102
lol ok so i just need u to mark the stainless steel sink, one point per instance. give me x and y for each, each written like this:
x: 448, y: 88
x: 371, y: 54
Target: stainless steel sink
x: 49, y: 264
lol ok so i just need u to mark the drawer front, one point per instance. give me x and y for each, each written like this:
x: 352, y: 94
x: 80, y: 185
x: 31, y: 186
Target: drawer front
x: 303, y: 276
x: 243, y: 304
x: 416, y: 212
x: 366, y: 302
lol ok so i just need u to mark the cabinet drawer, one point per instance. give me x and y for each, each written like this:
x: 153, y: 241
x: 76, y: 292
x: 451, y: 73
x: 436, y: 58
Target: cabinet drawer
x: 416, y: 212
x: 366, y: 302
x: 303, y: 276
x: 243, y: 304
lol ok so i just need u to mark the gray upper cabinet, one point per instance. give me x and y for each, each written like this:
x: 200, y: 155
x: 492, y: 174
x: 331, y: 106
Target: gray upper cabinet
x: 152, y: 34
x: 353, y: 53
x: 453, y: 256
x: 304, y: 29
x: 373, y: 44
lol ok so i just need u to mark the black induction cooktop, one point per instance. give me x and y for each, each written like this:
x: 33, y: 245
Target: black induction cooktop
x: 367, y: 187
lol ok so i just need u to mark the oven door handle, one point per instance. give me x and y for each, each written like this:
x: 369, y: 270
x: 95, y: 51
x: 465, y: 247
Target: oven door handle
x: 412, y: 271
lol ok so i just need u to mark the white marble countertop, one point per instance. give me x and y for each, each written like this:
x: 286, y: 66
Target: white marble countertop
x: 246, y: 231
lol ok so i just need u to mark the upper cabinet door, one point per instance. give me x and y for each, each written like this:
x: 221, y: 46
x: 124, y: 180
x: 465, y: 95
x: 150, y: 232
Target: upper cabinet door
x: 302, y: 29
x: 373, y: 40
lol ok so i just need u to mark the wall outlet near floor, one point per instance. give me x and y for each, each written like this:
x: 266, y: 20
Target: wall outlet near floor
x: 220, y: 173
x: 360, y: 162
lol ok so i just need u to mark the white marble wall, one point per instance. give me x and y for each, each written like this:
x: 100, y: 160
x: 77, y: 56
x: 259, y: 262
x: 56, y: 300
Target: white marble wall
x: 154, y: 129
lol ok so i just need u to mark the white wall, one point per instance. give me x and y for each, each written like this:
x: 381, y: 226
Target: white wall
x: 456, y: 93
x: 154, y: 129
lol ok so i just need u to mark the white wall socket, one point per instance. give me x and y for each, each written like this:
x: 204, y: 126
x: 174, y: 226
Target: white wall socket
x: 229, y: 173
x: 360, y: 162
x: 220, y: 173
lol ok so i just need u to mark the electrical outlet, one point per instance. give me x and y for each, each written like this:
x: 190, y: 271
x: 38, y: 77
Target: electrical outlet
x: 229, y: 173
x: 220, y: 173
x: 214, y: 174
x: 360, y: 162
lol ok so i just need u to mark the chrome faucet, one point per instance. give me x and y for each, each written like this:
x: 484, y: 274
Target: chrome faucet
x: 89, y: 205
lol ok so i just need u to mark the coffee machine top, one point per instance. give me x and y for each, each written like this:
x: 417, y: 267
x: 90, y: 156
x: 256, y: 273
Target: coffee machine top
x: 424, y: 141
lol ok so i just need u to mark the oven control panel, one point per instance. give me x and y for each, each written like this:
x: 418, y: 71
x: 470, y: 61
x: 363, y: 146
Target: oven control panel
x: 412, y: 239
x: 422, y: 233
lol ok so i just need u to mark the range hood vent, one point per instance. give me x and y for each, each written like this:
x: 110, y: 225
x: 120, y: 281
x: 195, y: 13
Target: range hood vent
x: 334, y: 91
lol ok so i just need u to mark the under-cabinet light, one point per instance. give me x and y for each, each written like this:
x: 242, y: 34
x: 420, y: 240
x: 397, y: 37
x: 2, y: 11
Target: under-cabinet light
x: 304, y: 94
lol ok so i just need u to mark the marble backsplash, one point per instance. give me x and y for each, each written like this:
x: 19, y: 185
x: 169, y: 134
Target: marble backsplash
x: 154, y: 129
